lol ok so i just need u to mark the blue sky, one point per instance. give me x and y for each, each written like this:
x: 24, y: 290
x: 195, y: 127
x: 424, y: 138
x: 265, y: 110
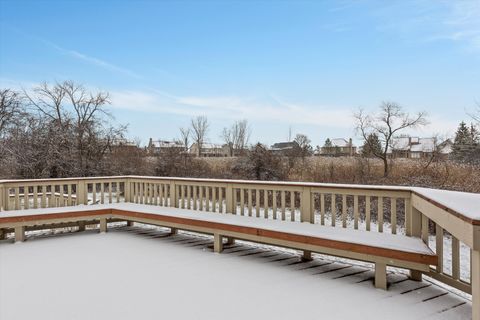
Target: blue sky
x: 301, y: 64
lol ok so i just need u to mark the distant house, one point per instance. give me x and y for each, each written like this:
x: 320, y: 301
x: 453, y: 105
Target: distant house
x: 417, y: 148
x: 210, y: 150
x: 445, y: 148
x: 123, y: 145
x: 159, y: 146
x: 284, y: 148
x: 339, y: 147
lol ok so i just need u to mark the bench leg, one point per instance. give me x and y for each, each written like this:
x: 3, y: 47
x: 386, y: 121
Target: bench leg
x: 230, y: 241
x: 307, y: 255
x: 173, y: 231
x: 380, y: 275
x: 217, y: 243
x: 19, y: 234
x: 415, y: 275
x: 81, y: 226
x: 129, y: 223
x: 103, y: 225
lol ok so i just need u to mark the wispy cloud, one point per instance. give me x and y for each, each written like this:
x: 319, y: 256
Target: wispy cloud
x: 92, y: 60
x: 432, y: 20
x: 465, y: 22
x: 271, y: 109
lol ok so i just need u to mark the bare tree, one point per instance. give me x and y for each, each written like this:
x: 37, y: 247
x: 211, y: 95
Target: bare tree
x: 228, y: 138
x: 389, y: 121
x: 243, y: 135
x: 236, y: 137
x: 10, y: 107
x: 78, y: 122
x: 199, y: 131
x: 304, y: 143
x: 88, y: 112
x: 185, y: 137
x: 48, y: 100
x: 476, y: 114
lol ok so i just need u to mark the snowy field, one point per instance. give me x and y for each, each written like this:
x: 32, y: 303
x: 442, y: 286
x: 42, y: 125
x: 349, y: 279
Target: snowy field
x: 141, y: 273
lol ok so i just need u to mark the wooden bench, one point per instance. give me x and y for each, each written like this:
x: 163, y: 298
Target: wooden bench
x: 379, y: 248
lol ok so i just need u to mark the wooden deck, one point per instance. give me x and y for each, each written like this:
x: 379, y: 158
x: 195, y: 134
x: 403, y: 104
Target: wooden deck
x: 447, y: 222
x: 422, y: 300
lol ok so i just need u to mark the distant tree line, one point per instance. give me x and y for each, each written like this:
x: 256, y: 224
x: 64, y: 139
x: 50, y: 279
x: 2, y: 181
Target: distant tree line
x: 65, y: 130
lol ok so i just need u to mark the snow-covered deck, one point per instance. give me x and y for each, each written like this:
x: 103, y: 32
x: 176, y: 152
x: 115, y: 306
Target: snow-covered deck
x: 372, y: 239
x: 181, y: 278
x: 447, y: 222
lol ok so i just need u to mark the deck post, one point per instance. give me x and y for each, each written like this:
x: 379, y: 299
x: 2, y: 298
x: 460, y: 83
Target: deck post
x: 306, y: 206
x: 217, y: 243
x: 129, y: 223
x: 475, y: 284
x: 2, y: 197
x: 307, y: 255
x: 2, y: 234
x: 81, y: 191
x: 103, y: 225
x: 173, y: 231
x: 416, y: 222
x: 19, y: 233
x: 173, y: 195
x: 229, y: 198
x: 5, y: 198
x: 81, y: 226
x: 126, y: 190
x: 415, y: 231
x: 415, y: 275
x: 380, y: 275
x: 230, y: 240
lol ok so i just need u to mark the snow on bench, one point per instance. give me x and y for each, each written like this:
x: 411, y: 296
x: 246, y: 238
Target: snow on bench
x: 380, y: 248
x: 464, y: 204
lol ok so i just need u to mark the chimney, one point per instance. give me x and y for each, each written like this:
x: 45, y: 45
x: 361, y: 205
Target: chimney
x: 350, y: 146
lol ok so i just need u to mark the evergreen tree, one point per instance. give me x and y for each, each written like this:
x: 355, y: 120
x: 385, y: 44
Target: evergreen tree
x: 328, y: 147
x: 466, y: 146
x: 474, y: 134
x: 462, y: 138
x: 328, y: 143
x: 372, y: 146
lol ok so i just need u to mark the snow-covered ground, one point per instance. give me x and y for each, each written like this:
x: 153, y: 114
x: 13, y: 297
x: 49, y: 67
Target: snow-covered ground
x: 140, y: 273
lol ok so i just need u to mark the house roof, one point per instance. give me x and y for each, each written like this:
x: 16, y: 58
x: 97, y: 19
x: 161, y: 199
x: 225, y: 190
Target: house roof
x: 166, y: 144
x: 212, y: 146
x: 123, y: 142
x: 400, y: 143
x: 284, y: 146
x: 340, y: 142
x: 209, y: 145
x: 446, y: 147
x: 413, y: 144
x: 424, y: 145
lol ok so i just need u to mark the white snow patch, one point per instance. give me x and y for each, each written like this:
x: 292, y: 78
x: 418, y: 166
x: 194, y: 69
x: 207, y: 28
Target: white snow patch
x: 121, y: 276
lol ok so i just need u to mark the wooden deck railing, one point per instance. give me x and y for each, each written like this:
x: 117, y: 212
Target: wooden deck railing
x: 397, y: 210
